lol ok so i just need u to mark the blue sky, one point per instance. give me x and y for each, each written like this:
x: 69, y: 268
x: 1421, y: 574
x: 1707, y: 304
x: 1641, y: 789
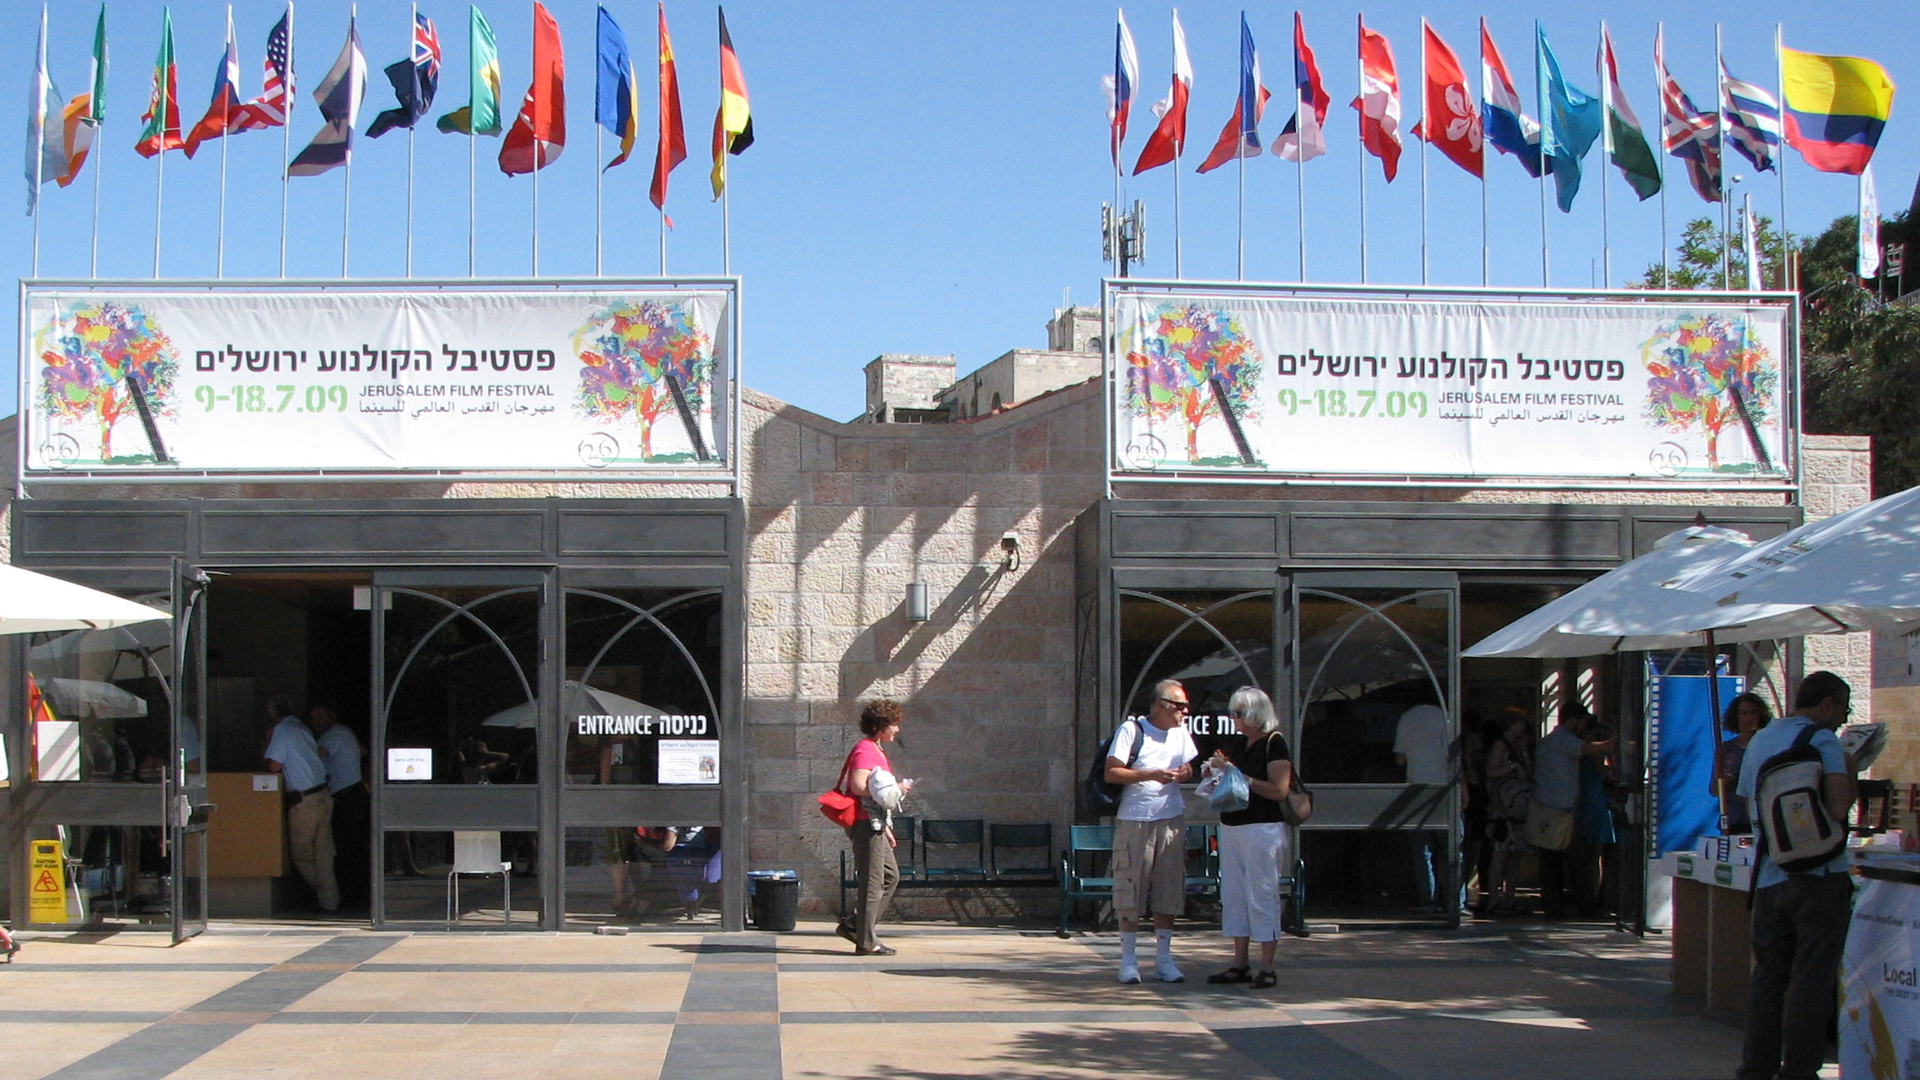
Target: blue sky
x: 926, y: 177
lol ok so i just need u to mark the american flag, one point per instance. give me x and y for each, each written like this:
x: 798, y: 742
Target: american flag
x: 276, y: 90
x: 1686, y: 132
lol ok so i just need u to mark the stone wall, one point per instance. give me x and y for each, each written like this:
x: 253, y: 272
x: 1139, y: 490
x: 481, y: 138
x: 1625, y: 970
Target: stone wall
x: 1836, y: 476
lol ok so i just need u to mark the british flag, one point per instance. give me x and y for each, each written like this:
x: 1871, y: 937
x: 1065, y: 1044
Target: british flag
x: 1686, y: 132
x: 276, y: 90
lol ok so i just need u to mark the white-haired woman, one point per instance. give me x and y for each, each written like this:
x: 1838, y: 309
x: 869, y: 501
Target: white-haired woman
x: 1255, y: 843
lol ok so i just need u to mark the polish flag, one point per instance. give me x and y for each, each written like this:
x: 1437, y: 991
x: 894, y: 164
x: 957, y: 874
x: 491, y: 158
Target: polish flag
x: 1169, y: 140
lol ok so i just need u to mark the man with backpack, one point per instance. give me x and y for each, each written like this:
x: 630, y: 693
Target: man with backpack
x: 1799, y: 789
x: 1151, y: 760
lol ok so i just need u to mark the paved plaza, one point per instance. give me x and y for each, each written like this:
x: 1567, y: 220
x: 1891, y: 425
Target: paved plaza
x: 292, y: 1001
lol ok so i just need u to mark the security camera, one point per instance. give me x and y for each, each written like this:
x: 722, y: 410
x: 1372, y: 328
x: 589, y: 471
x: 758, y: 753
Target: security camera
x: 1010, y: 545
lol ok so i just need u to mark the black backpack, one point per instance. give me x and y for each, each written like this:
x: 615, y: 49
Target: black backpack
x: 1796, y: 831
x: 1104, y: 798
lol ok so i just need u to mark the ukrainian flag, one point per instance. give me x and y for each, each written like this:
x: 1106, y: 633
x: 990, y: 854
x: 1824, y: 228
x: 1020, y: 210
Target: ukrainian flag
x: 1836, y: 107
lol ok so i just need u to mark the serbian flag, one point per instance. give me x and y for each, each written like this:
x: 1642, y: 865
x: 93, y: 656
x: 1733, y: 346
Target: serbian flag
x: 539, y: 133
x: 1449, y: 119
x: 733, y: 122
x: 224, y: 109
x: 1685, y: 131
x: 1169, y: 139
x: 162, y: 132
x: 1379, y: 100
x: 671, y: 148
x: 1241, y: 137
x: 1836, y: 107
x: 1126, y: 75
x: 1305, y: 136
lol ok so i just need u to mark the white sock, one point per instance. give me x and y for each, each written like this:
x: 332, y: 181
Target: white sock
x: 1127, y: 947
x: 1163, y: 942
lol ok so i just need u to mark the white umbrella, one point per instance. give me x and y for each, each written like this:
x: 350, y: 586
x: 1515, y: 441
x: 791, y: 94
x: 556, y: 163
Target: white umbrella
x: 1627, y: 609
x: 576, y: 700
x: 31, y: 603
x: 1860, y: 569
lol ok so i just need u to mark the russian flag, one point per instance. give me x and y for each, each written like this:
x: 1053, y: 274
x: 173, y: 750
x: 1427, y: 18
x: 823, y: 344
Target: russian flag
x: 1241, y: 137
x: 1836, y: 107
x: 1126, y: 72
x: 1502, y: 120
x: 224, y: 111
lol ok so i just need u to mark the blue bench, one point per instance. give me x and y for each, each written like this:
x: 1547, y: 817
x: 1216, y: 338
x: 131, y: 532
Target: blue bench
x: 941, y: 853
x: 1086, y: 874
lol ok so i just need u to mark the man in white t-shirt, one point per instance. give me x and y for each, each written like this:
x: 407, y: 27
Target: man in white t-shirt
x: 1152, y: 760
x: 1420, y: 745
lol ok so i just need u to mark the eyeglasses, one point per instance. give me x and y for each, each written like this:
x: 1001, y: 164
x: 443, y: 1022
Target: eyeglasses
x: 1177, y: 706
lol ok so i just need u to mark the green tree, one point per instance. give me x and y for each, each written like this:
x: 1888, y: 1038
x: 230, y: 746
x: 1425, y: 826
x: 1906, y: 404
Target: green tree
x: 1697, y: 262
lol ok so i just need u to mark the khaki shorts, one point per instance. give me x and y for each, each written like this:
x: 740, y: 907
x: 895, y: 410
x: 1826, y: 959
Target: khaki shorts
x: 1150, y: 860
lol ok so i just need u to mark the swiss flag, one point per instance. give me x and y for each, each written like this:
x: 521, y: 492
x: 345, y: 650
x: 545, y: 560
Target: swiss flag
x: 1449, y: 116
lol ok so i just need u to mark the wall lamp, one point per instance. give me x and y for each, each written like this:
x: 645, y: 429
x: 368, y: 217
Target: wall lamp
x: 1010, y: 548
x: 917, y: 610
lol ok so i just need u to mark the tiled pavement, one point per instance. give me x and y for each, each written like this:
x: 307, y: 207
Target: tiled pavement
x: 302, y: 1002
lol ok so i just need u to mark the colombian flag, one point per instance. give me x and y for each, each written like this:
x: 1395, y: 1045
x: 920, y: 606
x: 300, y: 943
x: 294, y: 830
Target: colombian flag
x: 1836, y: 107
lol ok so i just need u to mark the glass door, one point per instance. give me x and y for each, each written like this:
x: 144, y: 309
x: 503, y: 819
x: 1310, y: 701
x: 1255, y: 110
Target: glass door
x: 184, y: 781
x: 462, y: 735
x: 1374, y: 677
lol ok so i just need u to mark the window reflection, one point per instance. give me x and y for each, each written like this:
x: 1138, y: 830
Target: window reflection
x: 1366, y: 657
x: 643, y: 875
x: 462, y: 664
x: 97, y: 704
x: 639, y: 705
x: 1213, y: 642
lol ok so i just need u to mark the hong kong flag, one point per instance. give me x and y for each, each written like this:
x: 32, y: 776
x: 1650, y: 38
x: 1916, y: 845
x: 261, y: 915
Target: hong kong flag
x: 1449, y: 116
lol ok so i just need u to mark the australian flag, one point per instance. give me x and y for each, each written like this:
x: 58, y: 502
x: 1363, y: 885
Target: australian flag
x: 414, y: 81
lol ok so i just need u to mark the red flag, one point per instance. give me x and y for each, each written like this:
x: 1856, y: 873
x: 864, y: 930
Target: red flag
x: 1449, y: 115
x: 163, y: 103
x: 1379, y: 100
x: 1170, y: 137
x: 672, y: 146
x: 539, y: 133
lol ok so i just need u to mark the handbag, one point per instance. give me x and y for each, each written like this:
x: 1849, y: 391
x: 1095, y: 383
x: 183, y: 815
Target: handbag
x: 1547, y: 828
x: 1297, y: 807
x: 839, y: 807
x: 1224, y: 789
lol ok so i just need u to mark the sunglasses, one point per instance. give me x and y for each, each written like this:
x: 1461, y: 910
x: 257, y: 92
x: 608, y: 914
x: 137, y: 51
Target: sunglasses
x: 1177, y: 705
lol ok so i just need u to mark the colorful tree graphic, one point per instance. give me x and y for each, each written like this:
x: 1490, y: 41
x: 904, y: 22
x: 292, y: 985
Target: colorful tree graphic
x: 628, y: 351
x: 87, y: 356
x: 1703, y: 370
x: 1175, y: 357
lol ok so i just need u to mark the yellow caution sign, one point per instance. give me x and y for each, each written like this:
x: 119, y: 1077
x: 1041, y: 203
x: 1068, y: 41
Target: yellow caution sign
x: 47, y: 895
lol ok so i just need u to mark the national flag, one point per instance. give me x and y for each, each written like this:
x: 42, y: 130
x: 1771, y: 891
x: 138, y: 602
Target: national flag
x: 481, y: 114
x: 1572, y: 122
x: 1686, y: 132
x: 733, y: 121
x: 225, y: 105
x: 162, y: 117
x: 44, y: 159
x: 82, y: 116
x: 1752, y: 119
x: 1120, y: 84
x: 1241, y: 137
x: 97, y: 97
x: 1623, y: 141
x: 1379, y: 100
x: 671, y: 147
x: 1869, y: 224
x: 539, y: 133
x: 1305, y: 136
x: 1447, y: 100
x: 1836, y: 108
x: 414, y: 80
x: 339, y: 96
x: 1169, y: 138
x: 616, y: 92
x: 269, y: 110
x: 1503, y: 121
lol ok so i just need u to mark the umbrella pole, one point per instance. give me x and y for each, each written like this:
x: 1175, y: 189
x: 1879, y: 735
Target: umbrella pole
x: 1713, y: 724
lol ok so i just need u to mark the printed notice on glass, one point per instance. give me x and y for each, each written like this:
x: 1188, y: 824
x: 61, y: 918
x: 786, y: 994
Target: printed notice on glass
x: 689, y: 761
x: 409, y: 763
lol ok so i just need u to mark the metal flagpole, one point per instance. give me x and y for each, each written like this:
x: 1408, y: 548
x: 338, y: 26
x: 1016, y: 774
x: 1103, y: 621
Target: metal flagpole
x: 286, y: 140
x: 1720, y: 100
x: 536, y: 206
x: 659, y: 95
x: 99, y: 162
x: 1660, y: 152
x: 346, y: 190
x: 1780, y: 74
x: 1546, y: 129
x: 1362, y: 91
x: 39, y: 151
x: 413, y: 21
x: 1300, y: 174
x: 1179, y: 150
x: 1486, y: 258
x: 159, y: 193
x: 1240, y: 226
x: 226, y: 118
x: 473, y: 155
x: 1426, y: 136
x: 1606, y: 157
x: 599, y: 182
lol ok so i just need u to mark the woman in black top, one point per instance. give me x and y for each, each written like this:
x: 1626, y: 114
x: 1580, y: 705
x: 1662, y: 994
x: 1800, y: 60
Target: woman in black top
x: 1255, y: 843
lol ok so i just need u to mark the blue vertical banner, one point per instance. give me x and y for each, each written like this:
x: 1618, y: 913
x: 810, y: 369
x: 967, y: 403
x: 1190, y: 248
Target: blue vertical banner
x: 1686, y: 736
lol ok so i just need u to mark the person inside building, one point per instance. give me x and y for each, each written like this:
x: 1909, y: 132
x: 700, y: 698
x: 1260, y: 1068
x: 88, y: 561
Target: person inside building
x: 1256, y: 844
x: 1746, y: 714
x: 868, y: 776
x: 1565, y: 881
x: 1151, y: 760
x: 1509, y: 773
x: 345, y: 760
x: 293, y: 753
x: 1800, y: 919
x: 1421, y: 747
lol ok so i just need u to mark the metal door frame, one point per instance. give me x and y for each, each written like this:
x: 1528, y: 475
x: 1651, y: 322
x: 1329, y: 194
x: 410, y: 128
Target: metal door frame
x: 1379, y: 806
x: 186, y: 808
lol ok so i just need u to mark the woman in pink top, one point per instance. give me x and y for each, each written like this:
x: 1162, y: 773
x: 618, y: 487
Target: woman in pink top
x: 868, y: 776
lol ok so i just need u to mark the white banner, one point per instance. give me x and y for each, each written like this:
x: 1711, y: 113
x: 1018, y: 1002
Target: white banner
x: 1880, y: 982
x: 385, y: 380
x: 1250, y: 384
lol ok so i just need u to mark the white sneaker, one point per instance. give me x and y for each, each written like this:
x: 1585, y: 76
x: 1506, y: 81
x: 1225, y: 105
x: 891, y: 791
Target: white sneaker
x: 1166, y: 972
x: 1129, y: 973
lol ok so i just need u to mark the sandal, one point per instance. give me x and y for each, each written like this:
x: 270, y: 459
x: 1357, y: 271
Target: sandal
x: 1231, y: 975
x: 1266, y: 980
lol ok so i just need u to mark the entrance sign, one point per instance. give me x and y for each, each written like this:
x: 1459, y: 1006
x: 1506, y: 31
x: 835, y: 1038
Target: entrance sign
x: 1250, y: 381
x: 46, y: 889
x: 131, y: 379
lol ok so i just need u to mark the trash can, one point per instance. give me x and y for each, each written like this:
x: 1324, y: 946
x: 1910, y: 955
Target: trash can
x: 774, y: 899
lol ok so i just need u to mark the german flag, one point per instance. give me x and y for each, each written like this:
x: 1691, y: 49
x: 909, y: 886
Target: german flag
x: 733, y: 123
